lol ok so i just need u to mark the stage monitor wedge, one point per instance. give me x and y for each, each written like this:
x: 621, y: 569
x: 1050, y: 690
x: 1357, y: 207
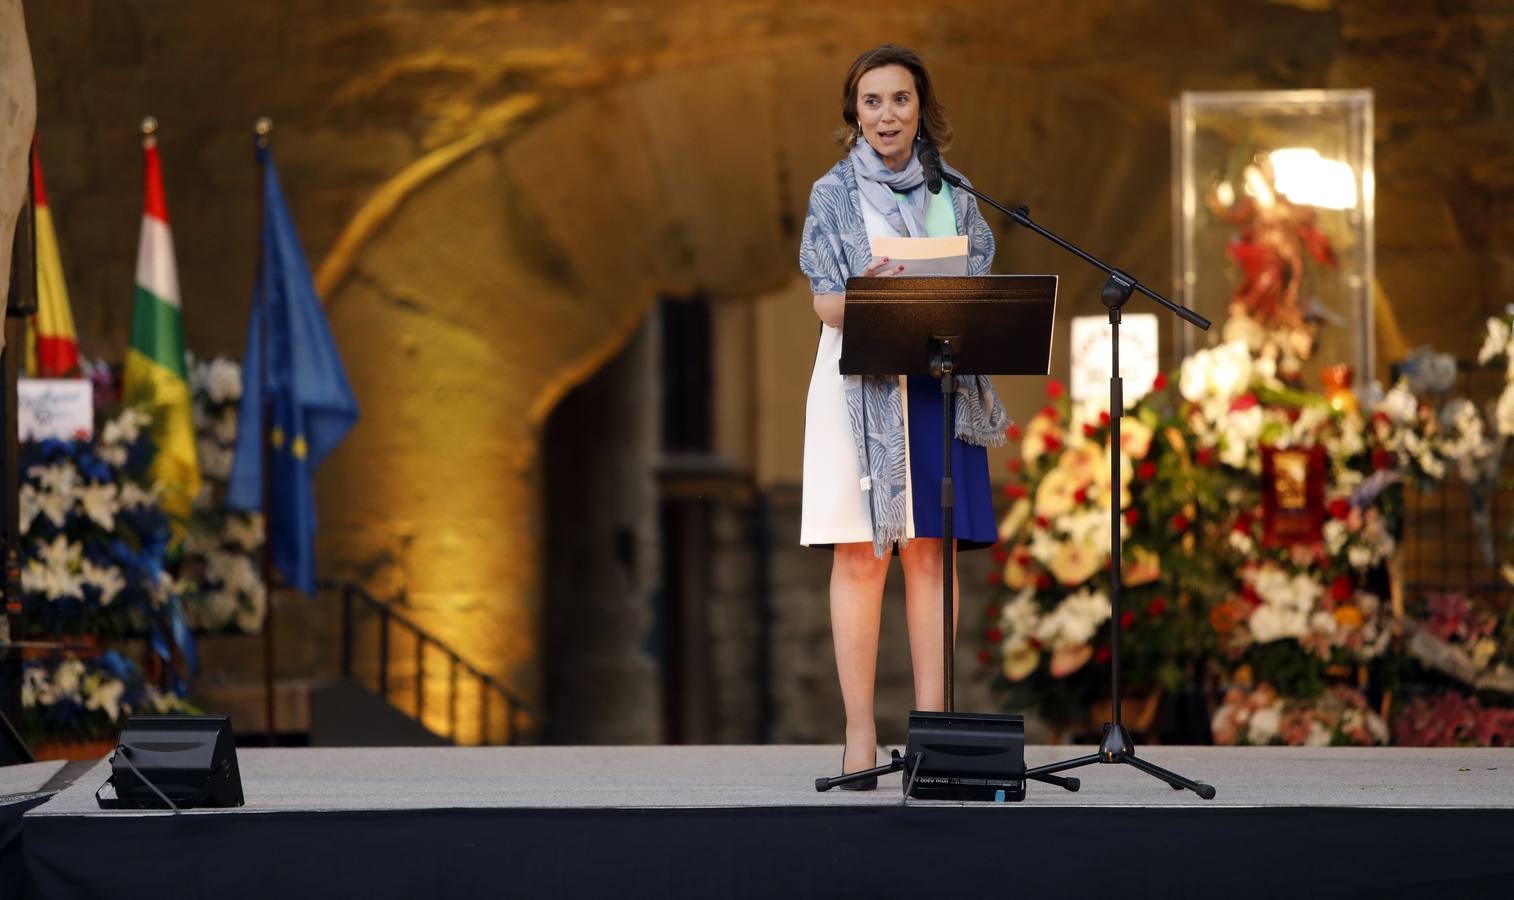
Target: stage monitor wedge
x: 191, y: 760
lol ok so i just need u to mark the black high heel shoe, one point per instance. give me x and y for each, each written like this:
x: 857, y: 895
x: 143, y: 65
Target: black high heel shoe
x: 870, y: 783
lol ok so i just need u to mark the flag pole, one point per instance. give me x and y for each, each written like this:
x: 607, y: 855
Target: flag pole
x: 262, y: 128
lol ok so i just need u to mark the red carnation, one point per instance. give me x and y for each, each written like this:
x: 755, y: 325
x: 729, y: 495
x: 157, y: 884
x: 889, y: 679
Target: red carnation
x: 1127, y: 619
x: 1101, y: 655
x: 1340, y: 508
x: 1159, y: 383
x: 1157, y: 607
x: 1180, y: 522
x: 1341, y: 588
x: 1147, y: 470
x: 1054, y: 389
x: 994, y: 635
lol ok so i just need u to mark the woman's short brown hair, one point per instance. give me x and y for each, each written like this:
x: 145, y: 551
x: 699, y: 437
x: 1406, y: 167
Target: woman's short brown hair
x: 932, y: 114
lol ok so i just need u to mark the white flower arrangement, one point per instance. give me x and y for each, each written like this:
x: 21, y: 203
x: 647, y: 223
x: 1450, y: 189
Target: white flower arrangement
x: 224, y: 589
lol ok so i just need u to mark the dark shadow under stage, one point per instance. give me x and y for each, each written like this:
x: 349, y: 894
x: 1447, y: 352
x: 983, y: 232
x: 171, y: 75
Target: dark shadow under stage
x: 746, y: 821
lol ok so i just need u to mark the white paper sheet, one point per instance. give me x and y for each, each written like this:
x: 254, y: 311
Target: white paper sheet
x: 924, y: 256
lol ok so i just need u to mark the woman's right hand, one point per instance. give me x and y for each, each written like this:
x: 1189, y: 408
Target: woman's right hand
x: 882, y: 266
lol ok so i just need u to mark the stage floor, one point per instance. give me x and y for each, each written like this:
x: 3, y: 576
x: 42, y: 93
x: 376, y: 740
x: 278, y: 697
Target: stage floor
x: 718, y: 777
x: 747, y: 822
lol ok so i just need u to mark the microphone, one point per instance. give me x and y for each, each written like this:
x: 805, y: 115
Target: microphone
x: 930, y: 163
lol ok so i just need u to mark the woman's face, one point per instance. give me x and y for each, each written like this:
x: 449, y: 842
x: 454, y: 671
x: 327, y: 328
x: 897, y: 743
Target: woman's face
x: 888, y: 109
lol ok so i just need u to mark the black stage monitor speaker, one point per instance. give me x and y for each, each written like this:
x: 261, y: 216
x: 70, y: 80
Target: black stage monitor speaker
x: 178, y: 762
x: 965, y: 756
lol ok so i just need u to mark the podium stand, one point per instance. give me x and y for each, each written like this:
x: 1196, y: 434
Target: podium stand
x: 948, y: 327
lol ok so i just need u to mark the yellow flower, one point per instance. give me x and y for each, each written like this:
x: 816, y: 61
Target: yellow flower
x: 1068, y: 660
x: 1135, y: 437
x: 1014, y: 520
x: 1020, y: 660
x: 1075, y: 562
x: 1055, y: 495
x: 1040, y: 428
x: 1144, y: 568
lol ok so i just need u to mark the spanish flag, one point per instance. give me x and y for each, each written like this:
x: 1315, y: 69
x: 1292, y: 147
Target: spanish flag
x: 52, y: 348
x: 157, y: 376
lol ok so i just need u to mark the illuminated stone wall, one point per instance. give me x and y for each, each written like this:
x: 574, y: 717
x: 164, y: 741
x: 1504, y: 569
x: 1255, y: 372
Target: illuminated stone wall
x: 494, y: 192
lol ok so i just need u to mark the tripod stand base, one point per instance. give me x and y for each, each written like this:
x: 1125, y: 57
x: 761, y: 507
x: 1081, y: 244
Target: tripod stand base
x: 1118, y: 749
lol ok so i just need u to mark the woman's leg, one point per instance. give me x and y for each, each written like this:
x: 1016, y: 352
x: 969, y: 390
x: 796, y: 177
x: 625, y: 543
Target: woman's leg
x: 856, y: 612
x: 922, y: 602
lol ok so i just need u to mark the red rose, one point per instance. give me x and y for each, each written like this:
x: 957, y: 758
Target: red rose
x: 1043, y: 581
x: 1013, y: 431
x: 1080, y: 496
x: 1054, y: 389
x: 1101, y: 655
x: 1132, y: 516
x: 994, y: 635
x: 991, y: 611
x: 985, y: 658
x: 1243, y: 523
x: 1381, y: 459
x: 1042, y: 523
x: 1103, y: 417
x: 1341, y: 588
x: 1157, y: 607
x: 1014, y: 491
x: 995, y: 579
x: 1050, y: 412
x: 1001, y: 556
x: 1053, y: 443
x: 1159, y: 383
x: 1204, y: 456
x: 1015, y: 465
x: 1127, y: 619
x: 1180, y: 522
x: 1036, y: 644
x: 1089, y: 431
x: 1243, y: 403
x: 1147, y: 470
x: 1340, y: 508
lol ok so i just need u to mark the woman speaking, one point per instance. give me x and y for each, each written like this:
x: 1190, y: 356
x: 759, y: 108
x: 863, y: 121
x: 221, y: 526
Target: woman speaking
x: 872, y: 445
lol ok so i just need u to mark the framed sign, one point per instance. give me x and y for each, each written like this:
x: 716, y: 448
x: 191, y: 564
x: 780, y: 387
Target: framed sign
x: 62, y: 408
x: 1090, y: 357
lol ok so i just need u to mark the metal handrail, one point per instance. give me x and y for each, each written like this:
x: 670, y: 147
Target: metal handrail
x: 489, y: 687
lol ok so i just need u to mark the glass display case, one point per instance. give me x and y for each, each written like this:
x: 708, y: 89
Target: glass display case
x: 1272, y: 197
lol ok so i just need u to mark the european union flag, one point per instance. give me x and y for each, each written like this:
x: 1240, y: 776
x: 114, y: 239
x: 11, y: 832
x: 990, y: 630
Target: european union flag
x: 303, y: 387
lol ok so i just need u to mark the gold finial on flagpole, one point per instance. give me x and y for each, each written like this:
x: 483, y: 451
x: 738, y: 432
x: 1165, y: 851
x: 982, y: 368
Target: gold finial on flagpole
x: 149, y: 131
x: 263, y: 126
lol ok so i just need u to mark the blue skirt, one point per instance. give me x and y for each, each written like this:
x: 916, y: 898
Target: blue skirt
x: 973, y: 523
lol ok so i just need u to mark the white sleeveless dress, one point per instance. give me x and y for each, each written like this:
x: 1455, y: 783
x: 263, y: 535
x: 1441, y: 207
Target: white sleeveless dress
x: 836, y: 509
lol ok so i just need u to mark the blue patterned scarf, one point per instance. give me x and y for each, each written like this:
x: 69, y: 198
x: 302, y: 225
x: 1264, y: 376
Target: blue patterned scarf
x: 880, y: 186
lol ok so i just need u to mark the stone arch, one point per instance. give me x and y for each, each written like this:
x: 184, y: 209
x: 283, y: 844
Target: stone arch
x: 483, y: 283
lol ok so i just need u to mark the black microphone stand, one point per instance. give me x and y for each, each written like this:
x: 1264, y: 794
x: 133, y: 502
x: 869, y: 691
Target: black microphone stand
x: 1117, y: 747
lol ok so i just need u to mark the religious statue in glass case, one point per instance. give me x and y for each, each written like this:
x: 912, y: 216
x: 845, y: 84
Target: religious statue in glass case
x: 1273, y: 214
